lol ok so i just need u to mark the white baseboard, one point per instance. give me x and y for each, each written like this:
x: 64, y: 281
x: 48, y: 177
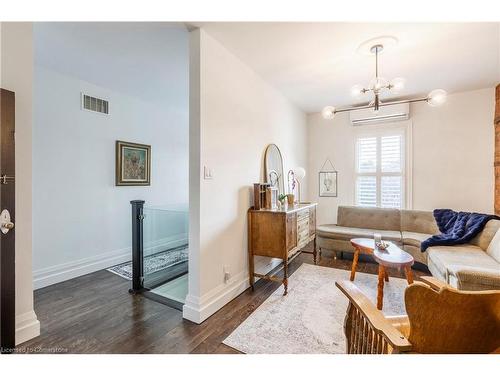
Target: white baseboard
x: 198, y: 309
x: 27, y: 327
x: 62, y: 272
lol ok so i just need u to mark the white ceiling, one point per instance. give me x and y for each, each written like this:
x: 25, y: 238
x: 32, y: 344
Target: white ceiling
x: 316, y: 64
x: 142, y: 59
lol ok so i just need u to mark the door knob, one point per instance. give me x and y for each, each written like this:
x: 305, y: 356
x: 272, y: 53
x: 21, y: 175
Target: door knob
x: 5, y: 223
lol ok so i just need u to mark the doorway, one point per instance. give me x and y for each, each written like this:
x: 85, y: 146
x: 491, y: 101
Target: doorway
x: 7, y: 212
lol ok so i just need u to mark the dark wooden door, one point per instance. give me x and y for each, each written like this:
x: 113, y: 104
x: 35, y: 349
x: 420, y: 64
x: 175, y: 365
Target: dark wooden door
x: 7, y: 232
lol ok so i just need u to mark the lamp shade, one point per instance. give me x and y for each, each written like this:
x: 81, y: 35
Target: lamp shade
x: 436, y: 97
x: 299, y: 172
x: 328, y: 113
x: 398, y: 84
x: 357, y: 91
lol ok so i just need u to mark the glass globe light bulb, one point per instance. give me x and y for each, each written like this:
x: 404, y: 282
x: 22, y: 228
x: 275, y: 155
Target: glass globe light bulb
x: 398, y: 84
x: 357, y: 91
x: 378, y: 83
x: 437, y: 97
x: 328, y: 113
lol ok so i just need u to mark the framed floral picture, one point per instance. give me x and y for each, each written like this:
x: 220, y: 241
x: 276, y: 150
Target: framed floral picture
x: 133, y: 164
x: 328, y: 184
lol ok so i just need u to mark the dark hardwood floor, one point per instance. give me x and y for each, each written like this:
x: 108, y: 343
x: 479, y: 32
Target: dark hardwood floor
x: 95, y: 314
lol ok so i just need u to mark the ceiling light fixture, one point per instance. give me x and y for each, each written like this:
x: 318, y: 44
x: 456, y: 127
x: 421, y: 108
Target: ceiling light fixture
x: 379, y: 84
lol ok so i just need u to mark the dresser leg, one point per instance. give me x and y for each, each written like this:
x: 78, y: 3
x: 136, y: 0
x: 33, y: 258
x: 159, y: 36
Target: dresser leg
x: 314, y: 251
x: 251, y: 272
x: 285, y: 276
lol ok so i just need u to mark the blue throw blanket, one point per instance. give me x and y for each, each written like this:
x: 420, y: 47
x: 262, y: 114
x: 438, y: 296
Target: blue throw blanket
x: 456, y: 227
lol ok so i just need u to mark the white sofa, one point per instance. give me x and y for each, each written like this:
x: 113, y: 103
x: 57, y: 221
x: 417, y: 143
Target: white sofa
x: 472, y: 266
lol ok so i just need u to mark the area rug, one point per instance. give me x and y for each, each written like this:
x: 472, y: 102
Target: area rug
x: 309, y: 320
x: 154, y: 263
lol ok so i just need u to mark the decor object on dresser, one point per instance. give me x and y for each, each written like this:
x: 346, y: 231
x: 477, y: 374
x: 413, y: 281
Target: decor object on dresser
x: 327, y: 180
x: 282, y: 198
x: 280, y: 233
x: 433, y: 325
x: 471, y: 266
x: 379, y: 85
x: 300, y: 174
x: 292, y: 182
x: 273, y: 168
x: 390, y: 256
x: 259, y: 195
x: 271, y: 198
x: 133, y: 164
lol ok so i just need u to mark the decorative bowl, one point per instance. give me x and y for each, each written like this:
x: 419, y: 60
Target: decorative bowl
x: 382, y: 245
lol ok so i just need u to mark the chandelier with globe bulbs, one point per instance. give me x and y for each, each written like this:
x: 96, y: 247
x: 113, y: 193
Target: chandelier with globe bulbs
x: 378, y: 85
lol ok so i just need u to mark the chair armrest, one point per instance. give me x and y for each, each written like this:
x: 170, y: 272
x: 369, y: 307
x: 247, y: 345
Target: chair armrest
x: 434, y: 283
x: 401, y: 323
x: 380, y: 324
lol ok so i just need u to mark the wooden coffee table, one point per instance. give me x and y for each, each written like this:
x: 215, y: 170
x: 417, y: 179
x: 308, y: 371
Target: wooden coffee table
x: 392, y: 257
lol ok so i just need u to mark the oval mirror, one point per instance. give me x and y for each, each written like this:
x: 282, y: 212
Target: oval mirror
x: 273, y: 167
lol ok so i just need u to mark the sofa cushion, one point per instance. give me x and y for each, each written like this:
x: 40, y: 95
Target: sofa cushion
x: 371, y: 218
x: 419, y: 222
x: 484, y: 238
x: 334, y: 245
x: 414, y: 238
x: 493, y: 249
x: 474, y: 278
x: 441, y: 258
x: 346, y: 233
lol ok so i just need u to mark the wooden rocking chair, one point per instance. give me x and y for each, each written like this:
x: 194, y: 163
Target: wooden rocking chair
x: 440, y: 319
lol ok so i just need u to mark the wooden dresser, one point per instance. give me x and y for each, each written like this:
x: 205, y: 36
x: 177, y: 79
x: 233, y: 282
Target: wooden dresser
x: 281, y: 233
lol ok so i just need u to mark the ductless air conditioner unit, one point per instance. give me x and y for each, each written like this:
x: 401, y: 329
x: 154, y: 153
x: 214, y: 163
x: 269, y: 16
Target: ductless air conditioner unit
x: 388, y: 113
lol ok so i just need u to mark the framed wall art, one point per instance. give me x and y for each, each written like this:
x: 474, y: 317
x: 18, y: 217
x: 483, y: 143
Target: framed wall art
x: 133, y: 164
x: 328, y: 181
x: 328, y: 184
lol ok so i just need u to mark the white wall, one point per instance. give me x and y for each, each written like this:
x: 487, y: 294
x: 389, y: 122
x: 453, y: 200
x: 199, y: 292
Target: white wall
x: 17, y: 76
x: 452, y: 155
x: 235, y: 116
x: 81, y: 220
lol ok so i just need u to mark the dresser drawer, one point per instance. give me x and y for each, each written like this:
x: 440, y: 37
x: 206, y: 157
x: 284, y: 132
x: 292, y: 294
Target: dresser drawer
x: 302, y: 214
x: 302, y: 241
x: 303, y: 225
x: 312, y: 220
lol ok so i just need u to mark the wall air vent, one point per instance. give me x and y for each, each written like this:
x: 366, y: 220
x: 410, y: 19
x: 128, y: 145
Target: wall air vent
x: 94, y: 104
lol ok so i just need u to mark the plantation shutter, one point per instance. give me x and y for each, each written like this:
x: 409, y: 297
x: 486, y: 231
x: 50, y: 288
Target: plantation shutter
x: 380, y: 171
x: 366, y: 186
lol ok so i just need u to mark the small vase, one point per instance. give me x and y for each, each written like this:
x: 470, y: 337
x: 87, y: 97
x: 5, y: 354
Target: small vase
x: 290, y: 198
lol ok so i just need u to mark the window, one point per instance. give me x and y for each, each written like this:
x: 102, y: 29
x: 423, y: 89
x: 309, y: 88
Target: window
x: 380, y: 169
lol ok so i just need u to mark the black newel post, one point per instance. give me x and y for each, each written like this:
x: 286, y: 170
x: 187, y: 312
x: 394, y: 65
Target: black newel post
x: 137, y: 245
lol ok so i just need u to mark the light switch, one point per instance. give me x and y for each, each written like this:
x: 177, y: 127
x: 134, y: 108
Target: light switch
x: 208, y: 174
